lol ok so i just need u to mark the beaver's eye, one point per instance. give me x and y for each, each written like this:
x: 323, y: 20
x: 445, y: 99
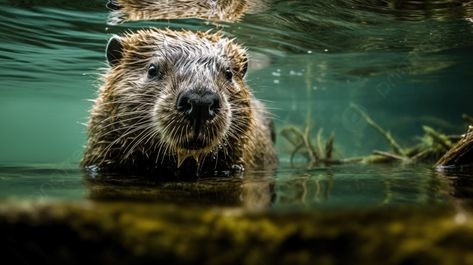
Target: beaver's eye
x: 228, y: 74
x: 152, y: 71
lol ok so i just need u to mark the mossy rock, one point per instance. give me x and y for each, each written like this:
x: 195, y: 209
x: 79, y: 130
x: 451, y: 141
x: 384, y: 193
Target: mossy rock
x: 138, y: 232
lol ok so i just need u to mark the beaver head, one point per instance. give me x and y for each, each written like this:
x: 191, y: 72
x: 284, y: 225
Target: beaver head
x: 170, y: 93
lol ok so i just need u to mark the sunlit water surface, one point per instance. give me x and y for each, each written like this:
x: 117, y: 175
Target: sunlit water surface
x: 406, y: 65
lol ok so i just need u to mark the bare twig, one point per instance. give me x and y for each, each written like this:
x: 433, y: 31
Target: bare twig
x: 393, y: 156
x: 329, y: 146
x: 314, y: 158
x: 319, y: 141
x: 294, y: 136
x: 294, y: 152
x: 300, y: 140
x: 290, y: 132
x: 387, y: 135
x: 418, y: 156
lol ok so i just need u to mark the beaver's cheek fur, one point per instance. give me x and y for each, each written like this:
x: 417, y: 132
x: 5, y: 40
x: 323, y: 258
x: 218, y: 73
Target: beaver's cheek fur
x: 178, y: 132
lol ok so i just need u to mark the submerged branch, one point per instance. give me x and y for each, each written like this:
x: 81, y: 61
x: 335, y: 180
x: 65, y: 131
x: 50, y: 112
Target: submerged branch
x: 437, y: 137
x: 329, y: 146
x: 460, y: 154
x: 392, y: 156
x: 294, y: 136
x: 302, y: 143
x: 314, y: 157
x: 319, y: 141
x: 431, y: 146
x: 387, y: 135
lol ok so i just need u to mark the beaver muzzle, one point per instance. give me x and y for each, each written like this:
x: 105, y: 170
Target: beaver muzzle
x: 200, y: 107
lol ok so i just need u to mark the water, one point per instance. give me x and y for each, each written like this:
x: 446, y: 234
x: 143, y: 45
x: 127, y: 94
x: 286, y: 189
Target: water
x: 342, y: 187
x: 405, y: 64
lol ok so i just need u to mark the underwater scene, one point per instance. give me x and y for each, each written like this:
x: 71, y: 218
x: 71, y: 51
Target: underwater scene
x: 372, y: 106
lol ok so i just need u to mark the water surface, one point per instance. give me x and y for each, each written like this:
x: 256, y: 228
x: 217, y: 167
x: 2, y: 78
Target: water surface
x: 406, y: 63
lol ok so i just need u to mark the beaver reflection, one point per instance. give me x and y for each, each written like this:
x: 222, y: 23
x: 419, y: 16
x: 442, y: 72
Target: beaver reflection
x: 215, y: 10
x: 254, y: 192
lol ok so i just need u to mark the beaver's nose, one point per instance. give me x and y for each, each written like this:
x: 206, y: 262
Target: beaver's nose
x: 198, y: 105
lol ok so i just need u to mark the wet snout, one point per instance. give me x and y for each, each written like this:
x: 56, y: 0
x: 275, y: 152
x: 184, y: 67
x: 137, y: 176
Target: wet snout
x: 198, y: 105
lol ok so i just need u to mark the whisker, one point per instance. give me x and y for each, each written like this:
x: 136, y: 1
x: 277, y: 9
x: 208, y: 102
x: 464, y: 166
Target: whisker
x: 127, y: 133
x: 139, y: 123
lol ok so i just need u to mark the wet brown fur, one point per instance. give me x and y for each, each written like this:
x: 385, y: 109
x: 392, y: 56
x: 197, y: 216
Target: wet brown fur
x: 135, y: 127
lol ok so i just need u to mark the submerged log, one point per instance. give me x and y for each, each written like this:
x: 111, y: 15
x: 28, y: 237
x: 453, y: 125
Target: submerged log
x: 461, y: 153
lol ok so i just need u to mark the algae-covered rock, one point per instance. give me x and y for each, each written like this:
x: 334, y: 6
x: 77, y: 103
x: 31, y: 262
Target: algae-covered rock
x: 124, y: 233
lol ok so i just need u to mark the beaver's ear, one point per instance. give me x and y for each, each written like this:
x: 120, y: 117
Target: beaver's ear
x: 114, y: 50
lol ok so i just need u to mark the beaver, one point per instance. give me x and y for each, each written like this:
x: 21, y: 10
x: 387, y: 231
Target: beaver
x: 177, y: 102
x: 215, y: 10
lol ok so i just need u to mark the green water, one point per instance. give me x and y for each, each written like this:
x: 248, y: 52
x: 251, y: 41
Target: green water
x: 407, y: 65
